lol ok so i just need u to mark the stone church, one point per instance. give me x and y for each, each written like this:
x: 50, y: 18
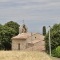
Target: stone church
x: 28, y: 41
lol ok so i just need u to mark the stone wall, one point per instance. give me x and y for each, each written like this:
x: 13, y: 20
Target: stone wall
x: 16, y: 42
x: 38, y: 46
x: 34, y: 42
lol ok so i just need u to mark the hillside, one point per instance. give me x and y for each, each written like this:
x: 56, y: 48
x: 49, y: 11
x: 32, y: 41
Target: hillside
x: 23, y: 55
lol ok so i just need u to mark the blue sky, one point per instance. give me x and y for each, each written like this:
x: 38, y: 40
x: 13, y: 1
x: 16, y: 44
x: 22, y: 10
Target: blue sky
x: 36, y: 13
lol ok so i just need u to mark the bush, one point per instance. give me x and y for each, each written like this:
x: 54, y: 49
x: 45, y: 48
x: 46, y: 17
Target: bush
x: 55, y: 37
x: 56, y: 52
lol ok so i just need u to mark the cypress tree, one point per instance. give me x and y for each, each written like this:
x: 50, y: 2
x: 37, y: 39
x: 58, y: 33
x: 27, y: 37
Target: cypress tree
x: 44, y: 30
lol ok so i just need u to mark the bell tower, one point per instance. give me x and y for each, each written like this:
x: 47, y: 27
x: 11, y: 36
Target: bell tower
x: 23, y: 28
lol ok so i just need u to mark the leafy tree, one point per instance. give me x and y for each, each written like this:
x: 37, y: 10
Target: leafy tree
x: 13, y: 25
x: 1, y: 27
x: 55, y: 37
x: 44, y: 30
x: 6, y: 34
x: 56, y: 52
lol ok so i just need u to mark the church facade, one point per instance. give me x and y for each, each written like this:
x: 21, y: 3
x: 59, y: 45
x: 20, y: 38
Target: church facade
x: 28, y: 41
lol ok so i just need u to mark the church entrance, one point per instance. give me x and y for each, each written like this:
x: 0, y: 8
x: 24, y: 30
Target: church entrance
x: 18, y: 46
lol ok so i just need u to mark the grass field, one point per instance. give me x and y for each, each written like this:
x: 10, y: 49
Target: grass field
x: 55, y: 58
x: 23, y: 55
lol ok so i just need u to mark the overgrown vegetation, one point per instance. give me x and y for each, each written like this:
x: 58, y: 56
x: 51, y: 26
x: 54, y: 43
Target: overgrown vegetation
x: 56, y: 52
x: 55, y: 38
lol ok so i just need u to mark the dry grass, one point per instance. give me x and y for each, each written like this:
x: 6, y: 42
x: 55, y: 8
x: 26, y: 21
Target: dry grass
x: 55, y: 58
x: 23, y: 55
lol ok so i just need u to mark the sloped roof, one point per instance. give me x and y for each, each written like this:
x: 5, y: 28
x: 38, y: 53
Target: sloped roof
x: 22, y: 36
x: 37, y: 40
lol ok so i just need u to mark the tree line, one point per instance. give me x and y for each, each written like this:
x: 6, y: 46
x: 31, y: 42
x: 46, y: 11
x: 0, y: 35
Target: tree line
x: 7, y: 31
x: 55, y: 40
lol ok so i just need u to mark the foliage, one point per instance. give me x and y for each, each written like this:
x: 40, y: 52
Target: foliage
x: 55, y: 37
x: 6, y: 34
x: 0, y: 27
x: 7, y: 31
x: 13, y: 25
x: 44, y: 30
x: 56, y: 52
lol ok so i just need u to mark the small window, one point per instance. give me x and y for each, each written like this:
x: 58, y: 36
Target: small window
x: 35, y: 37
x: 18, y: 46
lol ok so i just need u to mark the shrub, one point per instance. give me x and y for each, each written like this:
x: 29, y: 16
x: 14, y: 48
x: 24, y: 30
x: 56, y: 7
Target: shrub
x: 56, y: 52
x: 55, y: 37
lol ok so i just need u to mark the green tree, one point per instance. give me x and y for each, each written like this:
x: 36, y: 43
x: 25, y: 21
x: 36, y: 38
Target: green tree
x: 55, y: 37
x: 1, y: 27
x: 1, y: 46
x: 56, y: 52
x: 6, y: 34
x: 44, y: 30
x: 13, y: 25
